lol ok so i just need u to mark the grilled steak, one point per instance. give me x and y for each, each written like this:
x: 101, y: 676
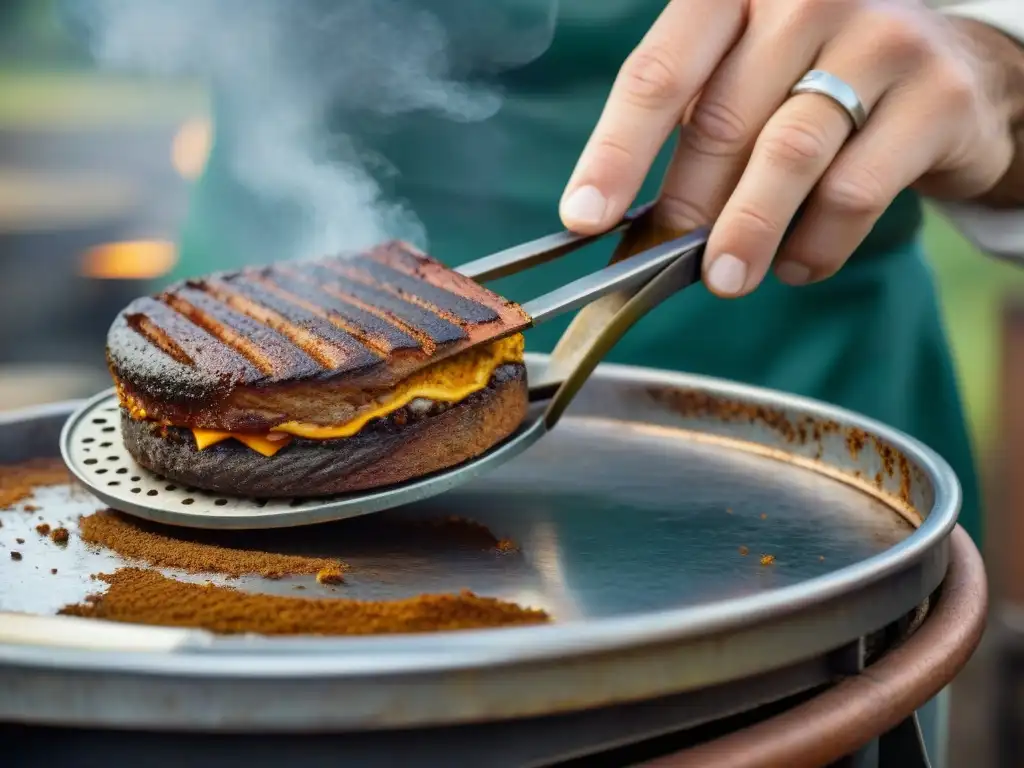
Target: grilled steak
x: 318, y: 377
x: 309, y: 341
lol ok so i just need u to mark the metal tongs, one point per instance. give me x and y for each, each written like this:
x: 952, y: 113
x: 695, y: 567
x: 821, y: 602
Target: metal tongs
x: 649, y: 265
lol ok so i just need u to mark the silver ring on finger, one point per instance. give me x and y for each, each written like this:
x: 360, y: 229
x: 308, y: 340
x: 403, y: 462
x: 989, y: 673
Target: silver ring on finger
x: 842, y: 93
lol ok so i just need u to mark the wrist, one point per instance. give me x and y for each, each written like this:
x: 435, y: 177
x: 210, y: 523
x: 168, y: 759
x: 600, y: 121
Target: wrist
x: 1001, y: 62
x: 1002, y: 66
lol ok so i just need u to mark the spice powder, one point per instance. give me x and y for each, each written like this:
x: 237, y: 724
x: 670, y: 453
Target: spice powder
x: 140, y: 596
x: 19, y: 481
x: 136, y: 540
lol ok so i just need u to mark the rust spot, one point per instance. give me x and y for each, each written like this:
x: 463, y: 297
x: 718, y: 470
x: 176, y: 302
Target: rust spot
x: 856, y: 439
x: 697, y: 404
x: 797, y: 431
x: 906, y: 483
x: 888, y: 456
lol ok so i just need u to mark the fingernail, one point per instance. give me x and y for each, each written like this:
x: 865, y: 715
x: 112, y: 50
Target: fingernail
x: 585, y: 206
x: 792, y: 273
x: 727, y: 274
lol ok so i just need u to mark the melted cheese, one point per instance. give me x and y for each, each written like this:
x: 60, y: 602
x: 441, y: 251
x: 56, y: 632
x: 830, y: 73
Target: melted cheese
x: 449, y: 381
x: 259, y: 443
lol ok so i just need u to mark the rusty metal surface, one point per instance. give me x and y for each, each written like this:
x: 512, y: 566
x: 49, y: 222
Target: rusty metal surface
x: 632, y: 519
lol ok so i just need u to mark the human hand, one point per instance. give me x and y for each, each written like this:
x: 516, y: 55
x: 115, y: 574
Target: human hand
x: 940, y: 113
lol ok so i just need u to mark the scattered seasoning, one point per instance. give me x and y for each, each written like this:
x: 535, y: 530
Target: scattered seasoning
x: 1, y: 524
x: 332, y: 575
x: 138, y: 540
x: 19, y: 481
x: 822, y: 558
x: 144, y: 596
x: 60, y: 536
x: 767, y: 559
x: 141, y: 596
x: 728, y: 510
x: 764, y: 516
x: 744, y: 551
x: 20, y: 541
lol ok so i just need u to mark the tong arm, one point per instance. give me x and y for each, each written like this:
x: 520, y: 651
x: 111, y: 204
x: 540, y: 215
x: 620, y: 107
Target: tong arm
x: 621, y: 275
x: 601, y: 324
x: 521, y: 257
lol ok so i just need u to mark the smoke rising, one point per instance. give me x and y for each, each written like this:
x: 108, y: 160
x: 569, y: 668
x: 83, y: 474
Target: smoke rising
x: 300, y: 76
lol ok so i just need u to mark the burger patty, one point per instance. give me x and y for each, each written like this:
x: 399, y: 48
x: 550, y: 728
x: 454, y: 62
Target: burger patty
x: 318, y: 340
x: 409, y: 442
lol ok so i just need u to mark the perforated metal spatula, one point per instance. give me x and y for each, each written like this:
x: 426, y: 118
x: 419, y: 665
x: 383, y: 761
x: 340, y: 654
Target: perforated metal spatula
x: 612, y: 300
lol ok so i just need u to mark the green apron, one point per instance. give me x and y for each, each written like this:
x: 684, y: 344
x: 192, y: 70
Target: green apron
x: 869, y: 339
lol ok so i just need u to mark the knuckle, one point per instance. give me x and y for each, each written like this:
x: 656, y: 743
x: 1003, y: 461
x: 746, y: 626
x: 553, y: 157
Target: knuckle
x: 753, y: 221
x: 716, y: 124
x: 816, y: 12
x: 956, y: 86
x: 699, y: 144
x: 651, y: 78
x: 612, y: 152
x: 859, y: 192
x: 900, y: 41
x: 799, y: 144
x: 678, y: 210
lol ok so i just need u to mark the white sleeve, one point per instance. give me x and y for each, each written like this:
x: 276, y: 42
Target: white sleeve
x: 998, y: 232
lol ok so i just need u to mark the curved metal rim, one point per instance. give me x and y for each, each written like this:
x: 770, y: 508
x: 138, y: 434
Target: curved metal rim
x: 831, y: 725
x: 207, y: 655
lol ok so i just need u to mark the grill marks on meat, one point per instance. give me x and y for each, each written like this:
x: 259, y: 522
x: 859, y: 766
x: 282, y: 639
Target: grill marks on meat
x: 430, y: 329
x: 333, y: 348
x: 406, y: 287
x: 264, y: 347
x: 158, y: 337
x: 370, y: 329
x: 377, y: 317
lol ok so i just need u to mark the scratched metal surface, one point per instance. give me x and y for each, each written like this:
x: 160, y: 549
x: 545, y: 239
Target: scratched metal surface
x: 611, y: 520
x: 632, y: 519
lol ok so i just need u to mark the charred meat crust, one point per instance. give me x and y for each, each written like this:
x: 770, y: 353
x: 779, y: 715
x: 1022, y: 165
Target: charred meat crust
x: 387, y: 451
x: 364, y: 320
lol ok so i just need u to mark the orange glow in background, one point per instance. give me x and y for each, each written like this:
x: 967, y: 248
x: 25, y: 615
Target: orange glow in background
x: 132, y: 260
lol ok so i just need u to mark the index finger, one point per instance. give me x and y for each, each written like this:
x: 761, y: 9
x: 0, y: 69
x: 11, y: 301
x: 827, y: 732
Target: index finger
x: 653, y: 88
